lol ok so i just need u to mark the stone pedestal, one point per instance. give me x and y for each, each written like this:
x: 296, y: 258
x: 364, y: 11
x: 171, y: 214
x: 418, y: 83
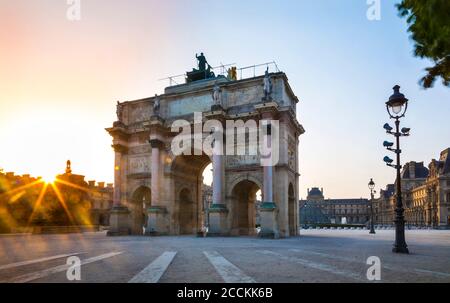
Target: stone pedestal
x: 119, y: 221
x: 269, y: 227
x: 217, y: 220
x: 216, y: 108
x: 156, y: 224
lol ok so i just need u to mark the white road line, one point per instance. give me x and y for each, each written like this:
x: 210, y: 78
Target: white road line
x: 228, y: 271
x: 388, y: 267
x: 29, y: 262
x: 50, y: 271
x: 154, y: 271
x: 318, y: 266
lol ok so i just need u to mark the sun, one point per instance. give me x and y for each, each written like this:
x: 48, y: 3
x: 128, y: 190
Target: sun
x: 49, y: 178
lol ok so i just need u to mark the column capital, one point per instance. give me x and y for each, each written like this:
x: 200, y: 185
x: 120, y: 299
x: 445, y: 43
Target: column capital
x: 118, y: 132
x: 156, y: 143
x: 119, y: 148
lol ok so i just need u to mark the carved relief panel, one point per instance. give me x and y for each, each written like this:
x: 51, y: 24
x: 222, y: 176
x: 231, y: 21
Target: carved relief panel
x: 139, y: 164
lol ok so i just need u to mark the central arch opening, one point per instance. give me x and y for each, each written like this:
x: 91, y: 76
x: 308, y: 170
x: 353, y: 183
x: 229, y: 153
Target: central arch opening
x: 246, y: 196
x: 190, y: 172
x: 186, y: 213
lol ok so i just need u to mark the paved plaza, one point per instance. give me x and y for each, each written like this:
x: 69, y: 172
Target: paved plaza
x: 315, y: 256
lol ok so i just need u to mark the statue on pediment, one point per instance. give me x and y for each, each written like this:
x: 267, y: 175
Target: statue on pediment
x: 267, y: 86
x: 156, y: 105
x: 119, y: 111
x: 204, y: 70
x: 217, y: 95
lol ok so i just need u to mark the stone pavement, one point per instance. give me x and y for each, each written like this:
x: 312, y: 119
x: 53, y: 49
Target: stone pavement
x: 316, y: 256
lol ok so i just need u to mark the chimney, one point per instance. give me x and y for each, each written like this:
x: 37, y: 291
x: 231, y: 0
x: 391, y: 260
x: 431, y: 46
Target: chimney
x: 110, y: 185
x: 101, y: 184
x: 91, y: 183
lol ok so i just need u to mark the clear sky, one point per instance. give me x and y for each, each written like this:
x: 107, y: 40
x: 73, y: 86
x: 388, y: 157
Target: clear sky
x: 60, y: 80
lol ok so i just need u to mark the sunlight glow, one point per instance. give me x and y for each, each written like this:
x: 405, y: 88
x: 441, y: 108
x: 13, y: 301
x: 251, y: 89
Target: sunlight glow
x: 38, y: 202
x: 49, y: 179
x: 63, y: 203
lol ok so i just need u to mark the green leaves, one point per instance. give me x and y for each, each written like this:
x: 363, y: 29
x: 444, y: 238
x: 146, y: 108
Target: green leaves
x: 429, y: 25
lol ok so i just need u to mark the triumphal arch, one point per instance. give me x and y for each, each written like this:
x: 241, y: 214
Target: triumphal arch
x: 160, y: 154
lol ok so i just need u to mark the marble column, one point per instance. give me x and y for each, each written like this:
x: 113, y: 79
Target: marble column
x: 268, y: 210
x: 117, y: 178
x: 268, y: 169
x: 218, y: 210
x: 155, y: 171
x: 156, y: 224
x: 119, y: 216
x: 217, y: 174
x: 268, y: 207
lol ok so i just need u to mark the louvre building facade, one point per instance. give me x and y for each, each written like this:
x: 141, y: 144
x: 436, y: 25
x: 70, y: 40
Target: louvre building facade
x: 426, y: 195
x: 318, y: 210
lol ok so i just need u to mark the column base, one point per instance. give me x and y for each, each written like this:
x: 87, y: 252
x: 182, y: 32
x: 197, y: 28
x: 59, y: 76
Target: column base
x: 119, y: 221
x: 217, y: 221
x: 156, y: 224
x: 269, y: 226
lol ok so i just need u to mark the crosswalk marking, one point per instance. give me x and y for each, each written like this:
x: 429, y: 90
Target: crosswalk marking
x: 227, y: 270
x: 50, y: 271
x: 315, y: 265
x: 154, y: 271
x: 388, y: 267
x: 29, y: 262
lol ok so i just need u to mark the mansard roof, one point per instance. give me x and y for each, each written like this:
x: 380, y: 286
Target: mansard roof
x: 389, y: 191
x: 420, y: 171
x: 315, y: 191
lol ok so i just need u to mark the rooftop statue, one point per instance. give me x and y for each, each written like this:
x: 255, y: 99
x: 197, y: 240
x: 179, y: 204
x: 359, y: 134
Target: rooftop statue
x: 232, y: 73
x: 68, y: 167
x: 203, y: 71
x: 202, y: 62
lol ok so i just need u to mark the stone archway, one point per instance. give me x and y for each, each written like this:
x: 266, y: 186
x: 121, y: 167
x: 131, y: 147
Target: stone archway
x: 244, y: 208
x: 143, y: 138
x: 140, y: 202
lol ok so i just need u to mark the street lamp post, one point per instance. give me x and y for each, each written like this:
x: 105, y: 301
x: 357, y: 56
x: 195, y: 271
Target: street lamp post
x: 371, y: 187
x: 396, y: 107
